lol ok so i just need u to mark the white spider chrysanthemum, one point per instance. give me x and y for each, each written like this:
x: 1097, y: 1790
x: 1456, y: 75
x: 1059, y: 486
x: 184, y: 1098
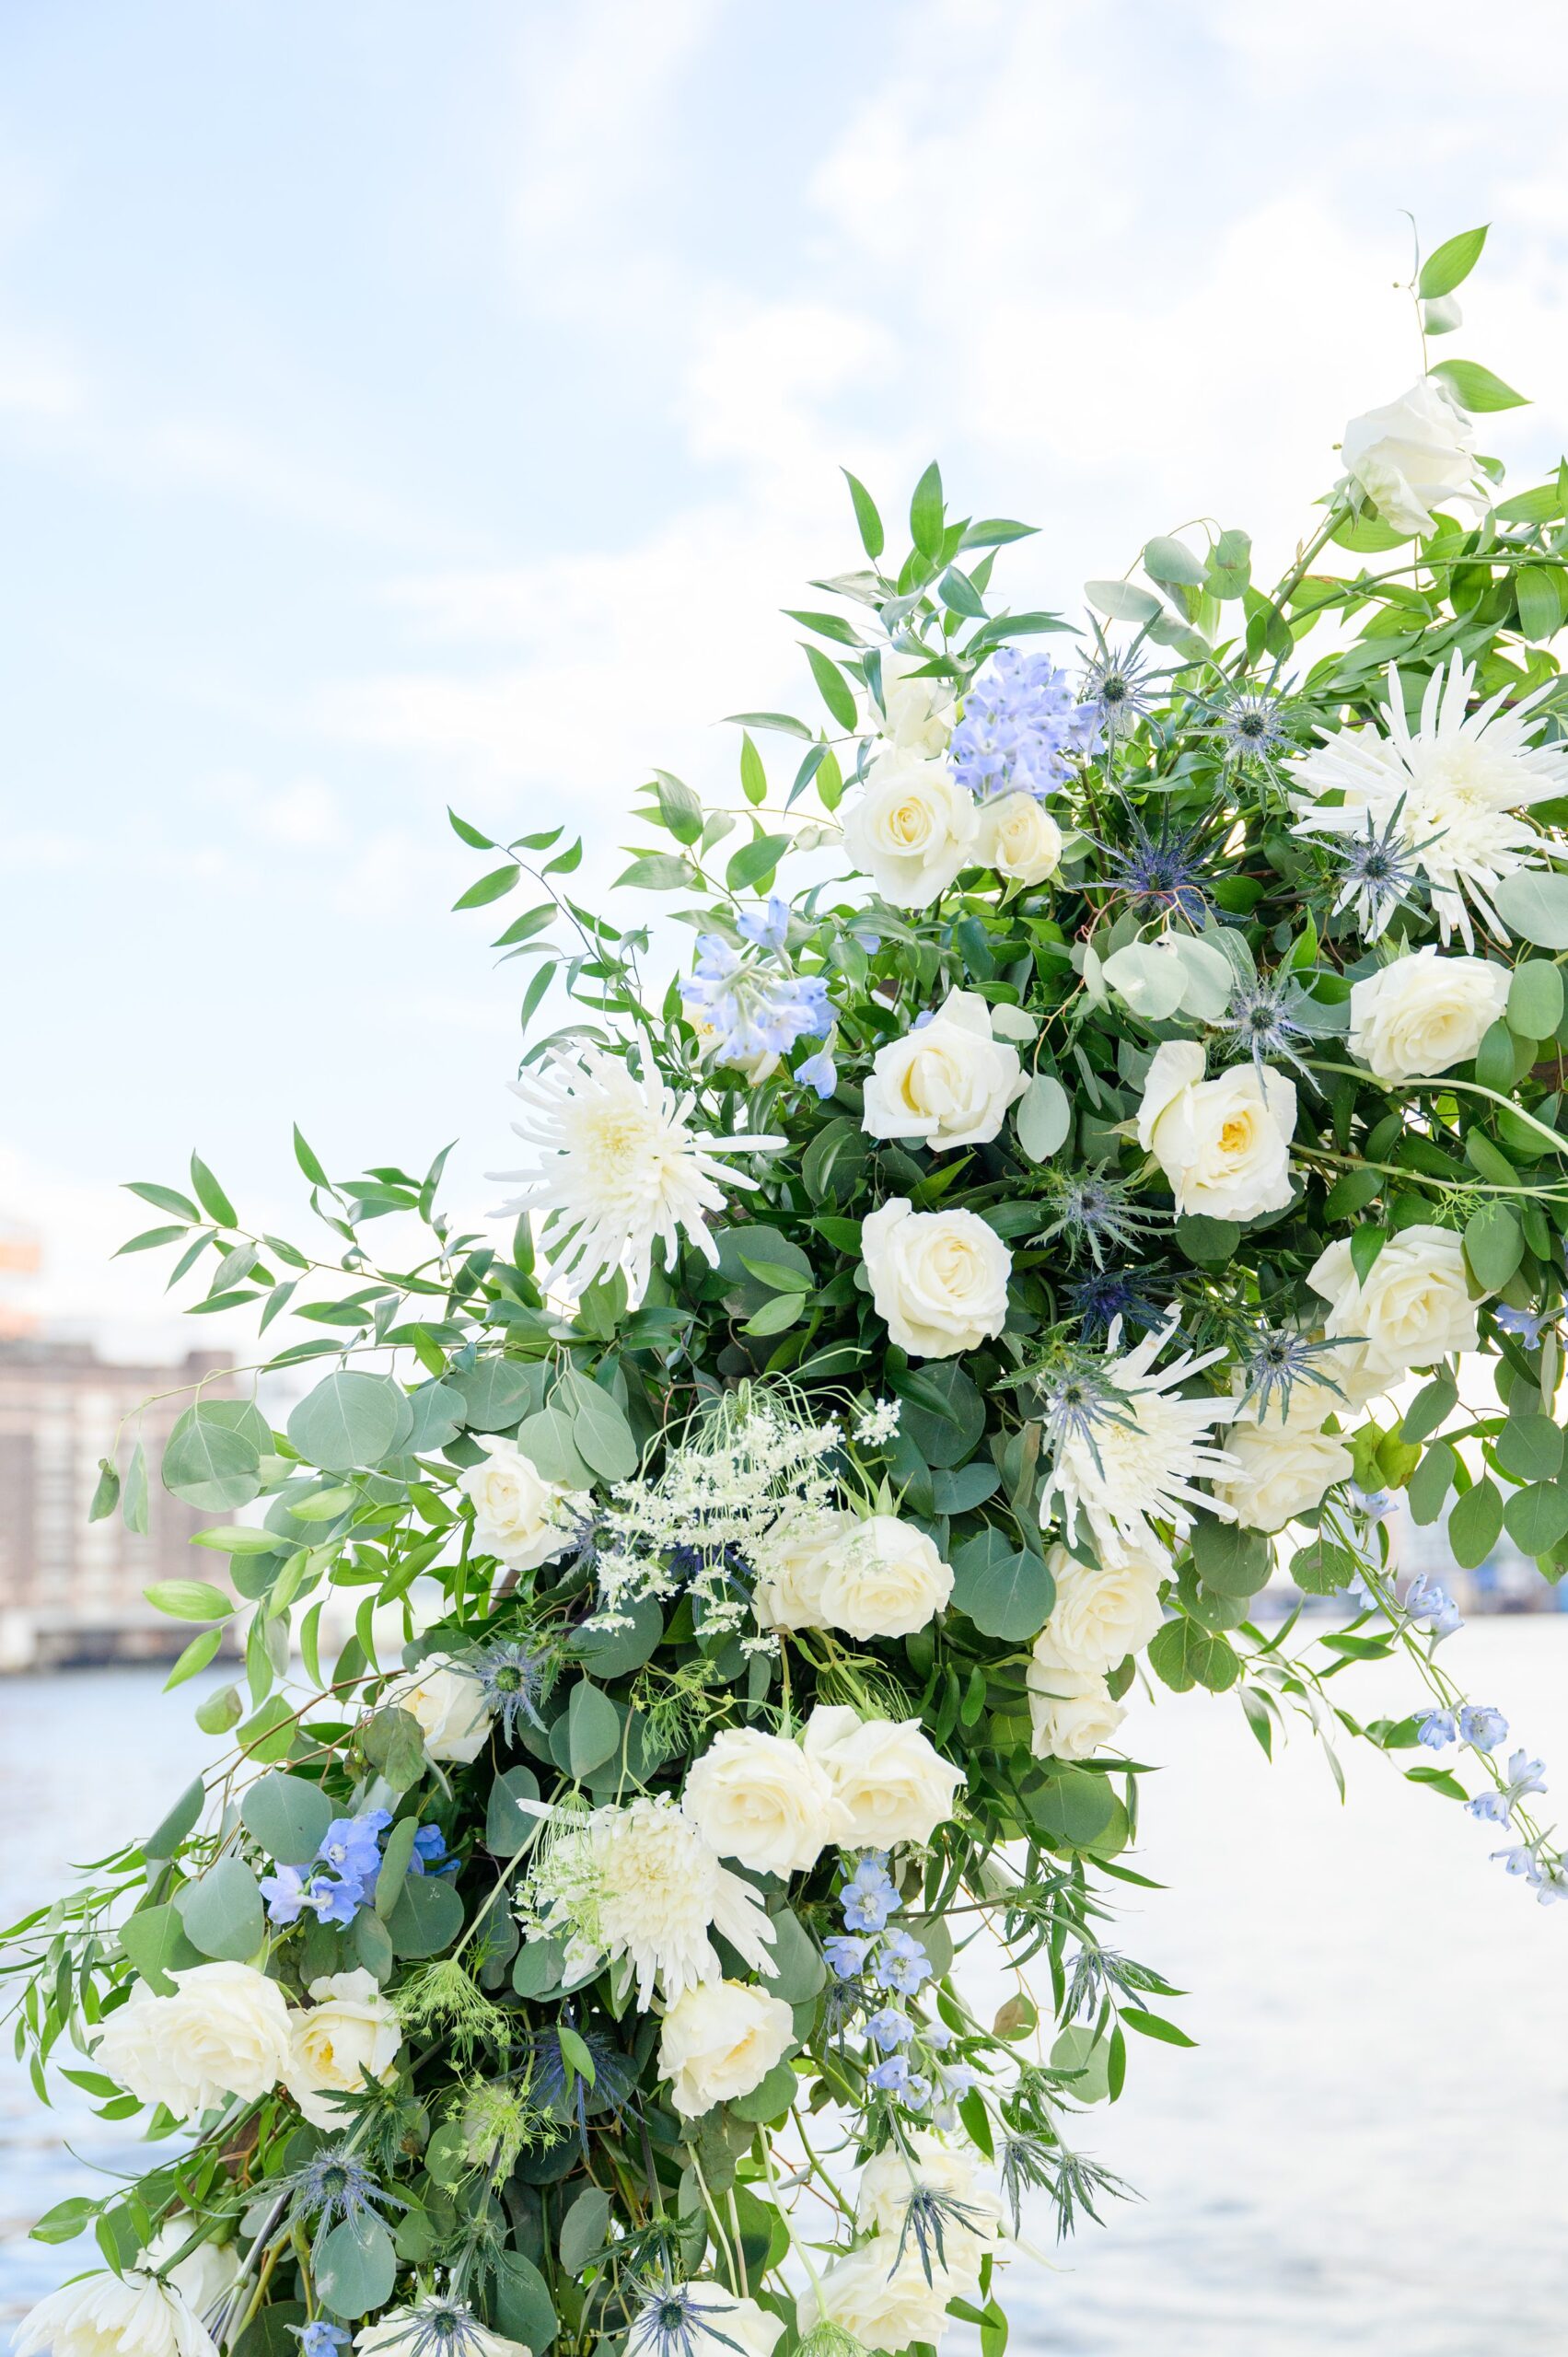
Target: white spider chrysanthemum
x: 1141, y: 1454
x: 620, y: 1165
x: 1449, y: 789
x: 642, y: 1882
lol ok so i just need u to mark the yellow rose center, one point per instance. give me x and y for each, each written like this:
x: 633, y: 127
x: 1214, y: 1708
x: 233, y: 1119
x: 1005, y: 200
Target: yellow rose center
x: 1236, y: 1134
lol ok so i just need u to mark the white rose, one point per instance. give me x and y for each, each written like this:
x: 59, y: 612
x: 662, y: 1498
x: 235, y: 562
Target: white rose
x: 113, y: 2316
x: 912, y: 829
x: 349, y: 2030
x: 205, y: 2275
x: 884, y: 1579
x: 886, y: 2305
x: 948, y: 1082
x: 1019, y: 838
x: 758, y: 1798
x: 938, y: 1279
x: 793, y: 1563
x: 1285, y: 1465
x: 449, y: 1707
x: 1103, y: 1611
x: 896, y: 1787
x: 745, y: 2326
x: 224, y: 2032
x: 720, y: 2040
x: 1224, y: 1144
x: 519, y: 1517
x: 887, y: 2182
x: 1072, y: 1712
x: 395, y: 2331
x: 916, y: 715
x: 1414, y: 1308
x: 1424, y: 1013
x: 1413, y: 455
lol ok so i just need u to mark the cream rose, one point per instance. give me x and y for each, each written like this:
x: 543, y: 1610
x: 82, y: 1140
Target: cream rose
x: 758, y: 1798
x: 224, y: 2032
x: 912, y: 829
x: 916, y: 715
x: 519, y: 1517
x: 1071, y: 1713
x: 449, y: 1707
x: 1284, y: 1464
x: 1224, y: 1144
x: 1103, y: 1611
x: 1424, y: 1013
x: 885, y: 2304
x: 349, y: 2029
x: 1019, y: 838
x: 720, y: 2040
x: 888, y: 2181
x: 884, y: 1579
x: 793, y: 1564
x: 393, y: 2334
x: 1414, y: 1308
x: 113, y: 2316
x: 1413, y: 455
x: 896, y: 1787
x: 947, y: 1082
x: 938, y: 1279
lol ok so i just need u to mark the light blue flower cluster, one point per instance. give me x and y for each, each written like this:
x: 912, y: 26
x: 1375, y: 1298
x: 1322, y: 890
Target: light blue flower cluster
x: 1022, y: 727
x: 1427, y: 1600
x: 1483, y: 1728
x: 750, y: 998
x: 891, y: 1960
x: 319, y: 2339
x: 342, y: 1877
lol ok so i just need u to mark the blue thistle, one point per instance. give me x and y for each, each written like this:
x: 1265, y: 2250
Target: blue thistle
x: 1117, y: 688
x: 930, y: 2217
x: 513, y: 1679
x: 333, y: 2187
x: 670, y: 2322
x: 1251, y: 727
x: 1280, y: 1359
x: 1163, y: 871
x: 1099, y: 1301
x: 1096, y: 1217
x: 439, y: 2326
x: 1379, y: 872
x: 1264, y: 1021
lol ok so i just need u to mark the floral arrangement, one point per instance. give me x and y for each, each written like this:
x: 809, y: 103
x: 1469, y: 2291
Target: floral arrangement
x: 947, y: 1305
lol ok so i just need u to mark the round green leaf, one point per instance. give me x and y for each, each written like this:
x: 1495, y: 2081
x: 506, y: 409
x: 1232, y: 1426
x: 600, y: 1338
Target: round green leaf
x: 351, y: 1420
x: 1005, y: 1590
x: 797, y: 1971
x: 1538, y: 1517
x: 497, y: 1393
x: 437, y: 1409
x: 600, y: 1432
x: 1231, y: 1561
x: 1205, y: 1241
x: 1535, y: 999
x: 548, y: 1442
x: 1535, y: 903
x: 288, y: 1815
x: 508, y: 1827
x: 222, y: 1912
x: 610, y: 1654
x: 428, y: 1917
x: 1531, y: 1448
x: 1044, y: 1117
x: 522, y: 2303
x: 356, y: 2267
x: 1072, y: 1807
x: 593, y: 1728
x: 1494, y: 1244
x: 1475, y: 1524
x: 211, y: 1463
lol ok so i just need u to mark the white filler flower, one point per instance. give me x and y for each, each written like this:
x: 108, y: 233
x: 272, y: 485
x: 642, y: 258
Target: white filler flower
x: 1140, y: 1453
x: 1455, y: 782
x: 619, y: 1166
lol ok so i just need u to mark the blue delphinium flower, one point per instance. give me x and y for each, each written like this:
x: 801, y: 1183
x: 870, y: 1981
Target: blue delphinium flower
x: 319, y: 2339
x: 430, y: 1853
x: 351, y: 1845
x: 845, y: 1955
x: 749, y: 998
x: 1524, y: 1775
x: 1427, y: 1600
x: 888, y: 2028
x: 902, y: 1964
x: 868, y: 1897
x: 1022, y: 729
x: 1436, y: 1730
x: 769, y: 927
x: 820, y: 1073
x: 337, y: 1902
x: 890, y: 2077
x: 1491, y: 1809
x: 1527, y: 1325
x: 1481, y: 1725
x: 1519, y: 1858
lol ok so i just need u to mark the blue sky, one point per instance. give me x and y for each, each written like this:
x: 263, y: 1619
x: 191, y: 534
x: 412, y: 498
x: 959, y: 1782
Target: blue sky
x: 402, y: 405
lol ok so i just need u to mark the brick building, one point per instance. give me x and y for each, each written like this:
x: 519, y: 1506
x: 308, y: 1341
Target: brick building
x: 71, y: 1590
